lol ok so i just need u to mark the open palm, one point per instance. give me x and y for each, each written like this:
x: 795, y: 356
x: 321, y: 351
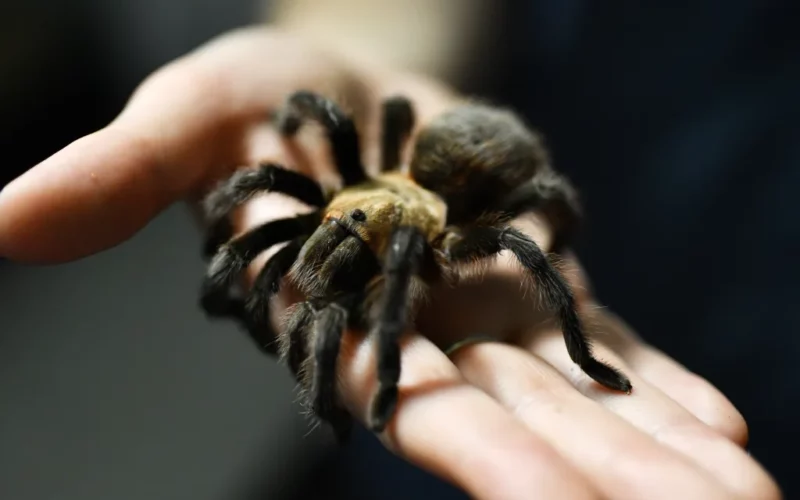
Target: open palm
x: 501, y: 420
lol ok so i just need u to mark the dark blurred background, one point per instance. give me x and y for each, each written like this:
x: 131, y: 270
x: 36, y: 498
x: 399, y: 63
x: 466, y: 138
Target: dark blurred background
x: 113, y: 385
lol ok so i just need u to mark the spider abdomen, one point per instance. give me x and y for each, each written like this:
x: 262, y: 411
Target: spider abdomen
x: 473, y: 156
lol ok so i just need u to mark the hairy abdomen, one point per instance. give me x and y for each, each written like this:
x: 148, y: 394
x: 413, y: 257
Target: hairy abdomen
x: 473, y: 156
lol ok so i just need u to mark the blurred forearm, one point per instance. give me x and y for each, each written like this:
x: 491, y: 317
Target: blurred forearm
x: 439, y: 38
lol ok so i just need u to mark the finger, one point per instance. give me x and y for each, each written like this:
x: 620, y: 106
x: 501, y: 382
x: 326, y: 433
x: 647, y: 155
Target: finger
x: 686, y: 388
x: 654, y: 413
x: 689, y: 390
x: 622, y: 461
x: 185, y: 126
x: 69, y: 205
x: 454, y: 430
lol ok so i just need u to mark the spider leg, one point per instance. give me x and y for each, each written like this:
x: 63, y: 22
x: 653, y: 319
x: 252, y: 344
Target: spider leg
x: 485, y: 241
x: 340, y: 128
x: 253, y: 311
x: 404, y: 259
x: 348, y: 269
x: 557, y: 198
x: 234, y: 308
x: 292, y: 344
x: 329, y: 325
x: 268, y: 281
x: 234, y: 256
x: 398, y: 121
x: 328, y: 322
x: 245, y: 184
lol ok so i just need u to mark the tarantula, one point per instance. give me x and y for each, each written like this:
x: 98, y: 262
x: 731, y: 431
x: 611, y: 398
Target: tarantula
x: 362, y: 254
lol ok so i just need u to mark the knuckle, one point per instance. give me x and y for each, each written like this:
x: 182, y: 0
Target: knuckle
x: 753, y: 483
x: 682, y: 429
x: 760, y: 486
x: 543, y: 393
x: 764, y: 490
x: 735, y: 429
x: 714, y: 409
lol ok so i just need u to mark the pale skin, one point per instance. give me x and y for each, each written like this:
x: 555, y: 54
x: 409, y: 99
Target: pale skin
x: 512, y: 420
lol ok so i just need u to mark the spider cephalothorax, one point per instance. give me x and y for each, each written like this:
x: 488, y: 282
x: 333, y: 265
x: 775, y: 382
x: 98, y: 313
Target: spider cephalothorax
x: 361, y: 257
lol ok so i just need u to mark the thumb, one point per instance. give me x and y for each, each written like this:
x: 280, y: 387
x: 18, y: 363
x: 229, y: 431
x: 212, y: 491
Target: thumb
x: 185, y: 126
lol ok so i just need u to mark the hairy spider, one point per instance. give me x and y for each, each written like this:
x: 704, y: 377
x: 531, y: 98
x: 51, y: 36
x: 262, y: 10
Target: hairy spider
x: 363, y: 254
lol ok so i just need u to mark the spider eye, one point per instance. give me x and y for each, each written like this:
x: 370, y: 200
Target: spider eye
x: 358, y: 215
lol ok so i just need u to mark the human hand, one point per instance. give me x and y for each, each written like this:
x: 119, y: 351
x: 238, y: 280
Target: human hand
x: 500, y: 420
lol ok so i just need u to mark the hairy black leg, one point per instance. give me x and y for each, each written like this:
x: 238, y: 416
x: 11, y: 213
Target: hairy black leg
x: 349, y: 267
x: 234, y: 256
x: 558, y: 200
x: 398, y: 121
x: 268, y: 281
x: 293, y: 342
x: 263, y: 335
x: 329, y: 325
x: 297, y: 343
x: 403, y: 261
x: 223, y: 306
x: 316, y: 250
x: 480, y: 242
x: 253, y: 311
x: 232, y: 308
x: 340, y: 128
x: 245, y: 184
